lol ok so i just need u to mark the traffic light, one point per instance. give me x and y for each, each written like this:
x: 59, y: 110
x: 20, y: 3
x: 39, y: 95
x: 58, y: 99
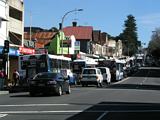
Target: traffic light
x: 6, y: 46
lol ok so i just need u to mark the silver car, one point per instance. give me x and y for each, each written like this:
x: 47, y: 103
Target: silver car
x: 91, y: 76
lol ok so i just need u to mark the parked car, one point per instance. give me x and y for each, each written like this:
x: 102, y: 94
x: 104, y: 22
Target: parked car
x: 106, y: 74
x: 91, y: 76
x: 48, y: 82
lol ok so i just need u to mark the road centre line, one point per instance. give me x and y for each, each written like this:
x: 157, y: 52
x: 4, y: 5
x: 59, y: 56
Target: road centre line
x: 145, y: 79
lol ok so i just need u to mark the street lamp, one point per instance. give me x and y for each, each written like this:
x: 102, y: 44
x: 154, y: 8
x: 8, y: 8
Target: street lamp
x: 67, y: 14
x: 61, y: 26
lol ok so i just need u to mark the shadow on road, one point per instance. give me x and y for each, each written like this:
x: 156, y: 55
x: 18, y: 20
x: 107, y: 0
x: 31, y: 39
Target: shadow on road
x: 135, y: 86
x: 145, y: 72
x: 120, y: 111
x: 148, y: 72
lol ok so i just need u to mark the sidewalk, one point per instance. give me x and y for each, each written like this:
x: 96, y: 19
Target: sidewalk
x: 3, y: 92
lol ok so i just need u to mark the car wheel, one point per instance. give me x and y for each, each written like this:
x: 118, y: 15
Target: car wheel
x: 69, y: 90
x: 105, y: 84
x: 59, y: 90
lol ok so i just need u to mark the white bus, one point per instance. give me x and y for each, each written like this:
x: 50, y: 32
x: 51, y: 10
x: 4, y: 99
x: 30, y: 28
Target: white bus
x: 29, y: 65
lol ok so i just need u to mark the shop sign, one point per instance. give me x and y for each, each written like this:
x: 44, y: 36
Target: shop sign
x: 41, y: 51
x: 77, y: 45
x: 29, y: 44
x: 24, y: 50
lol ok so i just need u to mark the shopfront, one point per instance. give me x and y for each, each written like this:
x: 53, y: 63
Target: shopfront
x: 13, y: 60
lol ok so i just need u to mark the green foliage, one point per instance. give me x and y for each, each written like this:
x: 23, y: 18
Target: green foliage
x: 154, y: 44
x: 129, y: 36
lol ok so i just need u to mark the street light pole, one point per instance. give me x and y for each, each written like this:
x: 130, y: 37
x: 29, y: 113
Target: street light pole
x: 61, y: 27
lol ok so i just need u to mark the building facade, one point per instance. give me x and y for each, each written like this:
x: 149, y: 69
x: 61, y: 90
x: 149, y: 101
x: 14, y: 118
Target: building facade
x: 83, y: 34
x: 16, y: 22
x: 11, y: 29
x: 3, y: 21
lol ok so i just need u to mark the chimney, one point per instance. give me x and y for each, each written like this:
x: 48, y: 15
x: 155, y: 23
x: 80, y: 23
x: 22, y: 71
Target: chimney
x: 60, y: 26
x: 74, y: 24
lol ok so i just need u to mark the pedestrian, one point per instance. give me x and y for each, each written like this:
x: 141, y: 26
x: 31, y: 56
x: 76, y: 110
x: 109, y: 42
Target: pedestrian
x: 1, y: 74
x: 1, y: 79
x: 15, y: 77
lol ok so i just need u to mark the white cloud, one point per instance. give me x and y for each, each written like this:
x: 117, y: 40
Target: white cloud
x: 150, y: 19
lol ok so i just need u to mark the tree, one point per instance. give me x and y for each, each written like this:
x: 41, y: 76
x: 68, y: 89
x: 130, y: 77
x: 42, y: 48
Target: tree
x: 129, y: 36
x: 154, y: 44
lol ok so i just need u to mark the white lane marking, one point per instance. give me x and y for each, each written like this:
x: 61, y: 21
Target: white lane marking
x: 3, y: 115
x: 101, y: 116
x: 33, y: 105
x: 145, y: 79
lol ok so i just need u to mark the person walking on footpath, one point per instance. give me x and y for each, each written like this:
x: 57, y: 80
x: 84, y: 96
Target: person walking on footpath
x: 1, y: 79
x: 15, y: 77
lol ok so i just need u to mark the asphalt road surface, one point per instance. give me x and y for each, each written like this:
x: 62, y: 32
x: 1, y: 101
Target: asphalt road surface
x: 133, y: 98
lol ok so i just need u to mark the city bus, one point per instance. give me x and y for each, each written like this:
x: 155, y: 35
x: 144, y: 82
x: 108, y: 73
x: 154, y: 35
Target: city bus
x: 29, y: 65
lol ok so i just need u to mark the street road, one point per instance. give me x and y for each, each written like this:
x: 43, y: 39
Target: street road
x: 134, y: 98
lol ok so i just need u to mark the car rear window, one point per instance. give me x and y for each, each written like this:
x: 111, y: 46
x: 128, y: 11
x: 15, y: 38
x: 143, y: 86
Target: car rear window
x: 47, y: 75
x: 103, y: 70
x: 89, y: 71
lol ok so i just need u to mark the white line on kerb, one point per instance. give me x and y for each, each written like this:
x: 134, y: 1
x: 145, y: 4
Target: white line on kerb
x: 33, y: 105
x: 125, y: 79
x: 3, y: 115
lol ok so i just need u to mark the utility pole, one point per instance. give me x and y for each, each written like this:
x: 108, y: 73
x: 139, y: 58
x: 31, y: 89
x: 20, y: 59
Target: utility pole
x: 30, y: 30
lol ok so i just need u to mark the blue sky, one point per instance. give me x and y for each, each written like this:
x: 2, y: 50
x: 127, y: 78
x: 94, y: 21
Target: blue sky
x: 105, y: 15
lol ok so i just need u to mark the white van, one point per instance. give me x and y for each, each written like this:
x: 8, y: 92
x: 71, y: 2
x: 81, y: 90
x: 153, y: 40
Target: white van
x: 117, y: 71
x: 106, y: 74
x: 91, y: 76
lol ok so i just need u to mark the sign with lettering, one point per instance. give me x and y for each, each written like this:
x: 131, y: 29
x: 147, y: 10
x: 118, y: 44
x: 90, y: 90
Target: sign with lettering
x: 24, y: 50
x: 41, y: 51
x: 29, y: 44
x: 77, y: 45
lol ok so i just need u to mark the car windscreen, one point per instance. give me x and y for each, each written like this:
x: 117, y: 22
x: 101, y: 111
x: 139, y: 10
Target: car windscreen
x: 89, y: 71
x: 103, y: 70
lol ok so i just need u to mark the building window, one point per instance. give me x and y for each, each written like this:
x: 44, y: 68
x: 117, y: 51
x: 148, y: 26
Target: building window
x: 15, y: 38
x: 14, y: 13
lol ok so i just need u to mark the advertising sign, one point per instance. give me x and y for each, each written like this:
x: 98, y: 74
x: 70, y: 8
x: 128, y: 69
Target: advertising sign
x: 24, y: 50
x: 77, y: 45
